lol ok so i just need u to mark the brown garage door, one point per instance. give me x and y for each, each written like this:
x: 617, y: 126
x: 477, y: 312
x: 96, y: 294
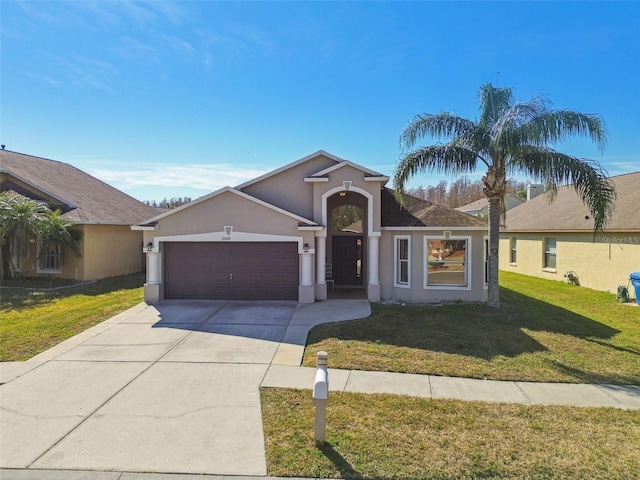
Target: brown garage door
x: 234, y: 271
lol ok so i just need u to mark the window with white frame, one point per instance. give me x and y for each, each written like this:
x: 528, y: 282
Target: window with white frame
x: 514, y: 251
x: 48, y: 259
x: 550, y: 253
x: 447, y: 264
x: 402, y: 277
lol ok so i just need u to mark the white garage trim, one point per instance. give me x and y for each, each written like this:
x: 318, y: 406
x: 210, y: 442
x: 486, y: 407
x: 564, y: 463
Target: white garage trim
x: 233, y: 237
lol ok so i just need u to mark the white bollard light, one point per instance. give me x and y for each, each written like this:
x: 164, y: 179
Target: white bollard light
x: 321, y: 397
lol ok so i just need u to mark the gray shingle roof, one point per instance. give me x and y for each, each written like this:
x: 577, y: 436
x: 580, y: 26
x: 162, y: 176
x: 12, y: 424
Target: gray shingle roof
x: 420, y: 213
x: 87, y: 199
x: 567, y: 212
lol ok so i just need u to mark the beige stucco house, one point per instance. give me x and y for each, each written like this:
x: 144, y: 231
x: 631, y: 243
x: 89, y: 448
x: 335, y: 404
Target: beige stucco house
x: 548, y: 240
x: 103, y: 213
x: 312, y: 227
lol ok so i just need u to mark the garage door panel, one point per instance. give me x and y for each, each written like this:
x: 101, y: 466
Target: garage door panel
x: 252, y: 271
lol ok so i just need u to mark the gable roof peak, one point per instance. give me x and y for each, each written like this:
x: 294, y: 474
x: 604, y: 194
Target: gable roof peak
x: 344, y: 163
x: 319, y: 153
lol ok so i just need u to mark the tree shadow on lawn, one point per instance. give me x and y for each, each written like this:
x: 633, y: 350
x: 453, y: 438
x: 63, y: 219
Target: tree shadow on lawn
x: 469, y: 329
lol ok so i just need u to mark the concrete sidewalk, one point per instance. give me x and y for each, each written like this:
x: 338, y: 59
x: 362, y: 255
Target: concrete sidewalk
x: 174, y: 389
x: 431, y: 386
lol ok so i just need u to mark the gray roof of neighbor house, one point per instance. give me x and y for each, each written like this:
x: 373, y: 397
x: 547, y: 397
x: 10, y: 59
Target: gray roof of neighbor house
x: 421, y: 213
x: 81, y: 197
x: 567, y: 213
x: 484, y: 203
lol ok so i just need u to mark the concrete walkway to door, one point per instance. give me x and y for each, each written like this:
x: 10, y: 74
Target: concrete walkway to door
x: 174, y: 388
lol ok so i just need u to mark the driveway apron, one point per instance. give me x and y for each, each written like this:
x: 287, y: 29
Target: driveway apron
x: 167, y: 388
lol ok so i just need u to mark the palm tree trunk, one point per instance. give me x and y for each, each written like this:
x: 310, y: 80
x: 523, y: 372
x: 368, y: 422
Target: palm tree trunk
x: 495, y: 212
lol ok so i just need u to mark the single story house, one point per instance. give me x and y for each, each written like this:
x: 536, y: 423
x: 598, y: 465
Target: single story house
x: 550, y: 239
x: 103, y: 213
x: 317, y: 224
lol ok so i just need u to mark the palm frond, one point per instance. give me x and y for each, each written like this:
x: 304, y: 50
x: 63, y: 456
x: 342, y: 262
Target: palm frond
x: 446, y: 159
x: 442, y: 125
x: 493, y: 102
x: 587, y: 177
x: 557, y: 125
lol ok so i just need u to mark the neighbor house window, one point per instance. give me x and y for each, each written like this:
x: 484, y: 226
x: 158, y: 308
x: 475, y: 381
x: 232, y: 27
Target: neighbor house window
x: 514, y: 251
x: 446, y: 262
x: 48, y: 259
x: 402, y: 261
x: 550, y: 253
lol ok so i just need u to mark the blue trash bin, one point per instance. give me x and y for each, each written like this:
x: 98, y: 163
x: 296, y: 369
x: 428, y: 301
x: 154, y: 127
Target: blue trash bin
x: 635, y: 281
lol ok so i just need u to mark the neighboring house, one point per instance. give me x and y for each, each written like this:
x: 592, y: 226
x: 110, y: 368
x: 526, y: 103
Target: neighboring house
x: 480, y: 208
x: 104, y: 215
x: 277, y: 237
x: 548, y: 240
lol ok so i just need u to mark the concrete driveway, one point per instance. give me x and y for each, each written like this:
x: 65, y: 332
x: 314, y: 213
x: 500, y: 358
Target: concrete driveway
x: 167, y: 388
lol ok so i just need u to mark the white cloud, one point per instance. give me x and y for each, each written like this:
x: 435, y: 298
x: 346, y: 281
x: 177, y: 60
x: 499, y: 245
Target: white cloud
x: 207, y: 178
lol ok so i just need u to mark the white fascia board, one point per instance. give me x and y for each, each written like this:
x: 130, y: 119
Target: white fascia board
x: 310, y: 228
x: 144, y: 228
x: 382, y: 179
x: 316, y: 179
x: 288, y: 166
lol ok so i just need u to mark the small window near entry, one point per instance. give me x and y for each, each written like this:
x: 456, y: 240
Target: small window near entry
x: 49, y: 259
x: 402, y: 261
x: 446, y: 262
x: 514, y: 251
x: 550, y: 253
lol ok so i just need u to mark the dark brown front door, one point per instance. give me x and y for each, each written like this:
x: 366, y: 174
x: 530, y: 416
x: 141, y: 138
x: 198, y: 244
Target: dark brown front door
x: 347, y: 260
x: 231, y: 271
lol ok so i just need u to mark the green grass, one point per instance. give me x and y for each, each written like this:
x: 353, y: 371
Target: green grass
x: 545, y: 331
x: 394, y: 437
x: 34, y: 321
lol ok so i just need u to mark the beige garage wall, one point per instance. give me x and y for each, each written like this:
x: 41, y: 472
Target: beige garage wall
x: 603, y: 264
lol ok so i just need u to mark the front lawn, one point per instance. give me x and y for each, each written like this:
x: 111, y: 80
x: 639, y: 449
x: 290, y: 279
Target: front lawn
x: 545, y: 331
x: 34, y: 321
x: 394, y: 437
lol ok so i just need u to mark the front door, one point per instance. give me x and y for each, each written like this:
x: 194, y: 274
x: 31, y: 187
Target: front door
x: 347, y: 260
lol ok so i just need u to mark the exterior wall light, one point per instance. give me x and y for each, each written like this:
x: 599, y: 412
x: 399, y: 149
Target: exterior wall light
x: 305, y: 247
x: 149, y: 247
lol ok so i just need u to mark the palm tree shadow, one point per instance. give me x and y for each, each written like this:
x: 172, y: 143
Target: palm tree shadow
x: 474, y: 330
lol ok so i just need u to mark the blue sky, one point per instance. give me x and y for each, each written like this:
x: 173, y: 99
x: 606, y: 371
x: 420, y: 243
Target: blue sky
x: 164, y: 99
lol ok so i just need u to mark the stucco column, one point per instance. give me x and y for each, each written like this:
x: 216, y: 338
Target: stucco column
x: 153, y: 268
x: 321, y: 258
x: 307, y: 271
x: 373, y: 260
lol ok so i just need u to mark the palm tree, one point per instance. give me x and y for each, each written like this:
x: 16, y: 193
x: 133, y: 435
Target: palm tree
x: 509, y: 138
x: 58, y: 235
x: 20, y: 220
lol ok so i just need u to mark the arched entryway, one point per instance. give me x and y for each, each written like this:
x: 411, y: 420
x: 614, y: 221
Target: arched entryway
x: 347, y: 225
x: 347, y: 245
